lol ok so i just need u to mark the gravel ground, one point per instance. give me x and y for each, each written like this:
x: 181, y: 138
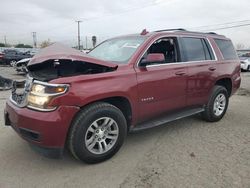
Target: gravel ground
x: 185, y: 153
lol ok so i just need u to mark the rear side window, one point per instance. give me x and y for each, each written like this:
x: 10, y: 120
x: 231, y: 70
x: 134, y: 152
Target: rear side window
x: 196, y: 49
x: 227, y: 49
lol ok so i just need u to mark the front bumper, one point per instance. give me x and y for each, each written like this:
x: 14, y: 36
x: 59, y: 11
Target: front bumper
x: 43, y: 129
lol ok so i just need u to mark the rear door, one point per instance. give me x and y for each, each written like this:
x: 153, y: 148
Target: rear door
x: 201, y: 60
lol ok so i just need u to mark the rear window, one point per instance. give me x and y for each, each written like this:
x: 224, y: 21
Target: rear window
x: 227, y: 49
x: 196, y: 49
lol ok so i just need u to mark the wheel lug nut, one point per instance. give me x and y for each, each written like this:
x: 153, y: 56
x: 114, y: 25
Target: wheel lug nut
x: 97, y: 131
x: 99, y: 139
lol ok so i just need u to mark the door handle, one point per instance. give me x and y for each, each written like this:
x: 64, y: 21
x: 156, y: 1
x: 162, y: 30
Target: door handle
x: 212, y: 68
x: 180, y: 73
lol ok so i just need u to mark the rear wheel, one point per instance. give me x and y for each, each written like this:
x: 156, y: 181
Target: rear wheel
x: 217, y: 104
x: 97, y: 133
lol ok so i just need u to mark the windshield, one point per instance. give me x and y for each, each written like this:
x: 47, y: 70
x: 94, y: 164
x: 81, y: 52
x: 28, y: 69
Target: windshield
x: 119, y: 50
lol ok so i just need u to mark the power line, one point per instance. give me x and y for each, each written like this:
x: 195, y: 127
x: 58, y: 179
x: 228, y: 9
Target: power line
x: 229, y: 27
x: 220, y: 24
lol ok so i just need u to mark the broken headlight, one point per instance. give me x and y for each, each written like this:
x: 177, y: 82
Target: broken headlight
x: 42, y: 93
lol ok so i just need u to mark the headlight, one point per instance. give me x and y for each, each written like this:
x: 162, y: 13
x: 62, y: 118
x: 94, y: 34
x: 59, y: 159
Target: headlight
x: 42, y: 93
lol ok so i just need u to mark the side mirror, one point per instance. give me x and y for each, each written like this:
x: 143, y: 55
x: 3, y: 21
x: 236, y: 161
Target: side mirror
x: 152, y: 58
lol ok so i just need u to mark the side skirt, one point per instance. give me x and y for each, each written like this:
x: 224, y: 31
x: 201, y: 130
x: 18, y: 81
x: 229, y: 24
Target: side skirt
x: 167, y: 118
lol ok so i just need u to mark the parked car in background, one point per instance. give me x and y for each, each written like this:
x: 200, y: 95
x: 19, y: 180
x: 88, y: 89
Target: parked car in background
x: 245, y: 62
x: 88, y: 102
x: 1, y: 57
x: 11, y: 56
x: 21, y: 66
x: 5, y: 83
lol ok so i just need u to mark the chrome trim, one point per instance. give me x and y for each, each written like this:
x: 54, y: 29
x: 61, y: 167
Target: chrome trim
x: 214, y: 60
x: 177, y: 63
x: 50, y: 85
x: 41, y: 109
x: 26, y: 103
x: 15, y: 103
x: 215, y: 55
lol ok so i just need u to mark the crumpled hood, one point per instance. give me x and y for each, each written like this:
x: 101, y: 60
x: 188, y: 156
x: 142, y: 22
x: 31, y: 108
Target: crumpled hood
x: 60, y: 51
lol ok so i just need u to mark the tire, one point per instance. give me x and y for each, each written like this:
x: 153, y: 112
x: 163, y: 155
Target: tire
x: 12, y: 63
x: 248, y: 68
x: 84, y: 141
x: 210, y: 114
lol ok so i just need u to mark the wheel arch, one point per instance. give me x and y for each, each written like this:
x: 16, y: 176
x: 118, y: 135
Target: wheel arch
x: 121, y: 102
x: 225, y: 82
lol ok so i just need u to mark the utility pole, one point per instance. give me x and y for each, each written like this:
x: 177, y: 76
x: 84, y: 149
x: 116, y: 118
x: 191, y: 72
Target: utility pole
x: 79, y: 38
x: 86, y: 42
x: 34, y: 39
x: 5, y: 40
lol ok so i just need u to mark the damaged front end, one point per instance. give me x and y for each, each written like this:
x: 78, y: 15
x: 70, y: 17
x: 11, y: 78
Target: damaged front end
x: 58, y: 61
x: 54, y: 62
x: 56, y: 68
x: 35, y: 94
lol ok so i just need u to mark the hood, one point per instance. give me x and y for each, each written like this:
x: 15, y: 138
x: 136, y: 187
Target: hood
x: 24, y: 60
x: 60, y: 51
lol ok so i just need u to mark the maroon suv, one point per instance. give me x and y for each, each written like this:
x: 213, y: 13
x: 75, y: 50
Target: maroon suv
x: 88, y: 103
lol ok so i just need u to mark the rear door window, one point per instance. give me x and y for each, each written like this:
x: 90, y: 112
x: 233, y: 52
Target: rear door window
x: 227, y: 49
x: 196, y: 49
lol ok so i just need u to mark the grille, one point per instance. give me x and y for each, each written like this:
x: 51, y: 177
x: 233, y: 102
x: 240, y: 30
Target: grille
x: 20, y: 91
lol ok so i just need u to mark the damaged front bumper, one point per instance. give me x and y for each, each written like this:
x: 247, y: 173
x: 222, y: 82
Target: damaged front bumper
x: 46, y: 131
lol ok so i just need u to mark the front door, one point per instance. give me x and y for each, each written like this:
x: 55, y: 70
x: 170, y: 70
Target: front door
x: 162, y: 86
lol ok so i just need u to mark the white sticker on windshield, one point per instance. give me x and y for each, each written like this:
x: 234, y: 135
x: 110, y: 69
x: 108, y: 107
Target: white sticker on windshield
x: 127, y: 45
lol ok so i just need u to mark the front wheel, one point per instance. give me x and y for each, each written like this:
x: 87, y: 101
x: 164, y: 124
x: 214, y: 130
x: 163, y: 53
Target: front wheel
x: 217, y: 104
x: 97, y: 133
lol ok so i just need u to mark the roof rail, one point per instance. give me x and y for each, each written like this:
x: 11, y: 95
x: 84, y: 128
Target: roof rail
x: 178, y: 29
x: 213, y: 33
x: 200, y: 32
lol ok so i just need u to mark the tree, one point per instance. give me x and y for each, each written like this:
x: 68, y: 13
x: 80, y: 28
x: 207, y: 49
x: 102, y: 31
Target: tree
x: 94, y: 39
x: 45, y: 43
x: 23, y: 46
x: 2, y: 45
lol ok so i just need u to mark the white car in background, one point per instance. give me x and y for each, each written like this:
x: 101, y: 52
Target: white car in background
x: 245, y: 63
x: 21, y: 66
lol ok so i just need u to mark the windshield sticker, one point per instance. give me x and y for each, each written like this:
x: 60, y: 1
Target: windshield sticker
x: 127, y: 45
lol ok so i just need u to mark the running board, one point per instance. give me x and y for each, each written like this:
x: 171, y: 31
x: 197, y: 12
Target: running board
x: 168, y: 118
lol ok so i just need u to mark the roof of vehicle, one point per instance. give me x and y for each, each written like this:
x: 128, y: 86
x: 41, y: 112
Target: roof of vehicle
x: 180, y: 31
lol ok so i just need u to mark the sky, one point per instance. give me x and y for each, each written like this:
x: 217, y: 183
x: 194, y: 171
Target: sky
x: 55, y: 19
